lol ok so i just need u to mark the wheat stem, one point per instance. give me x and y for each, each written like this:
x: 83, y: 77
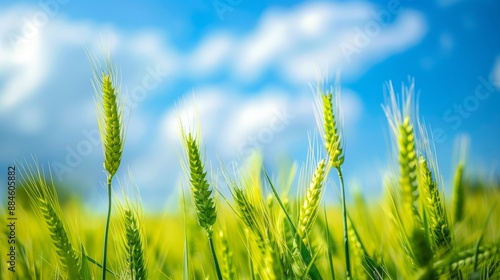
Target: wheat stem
x: 344, y: 223
x: 458, y: 194
x: 214, y: 256
x: 106, y: 232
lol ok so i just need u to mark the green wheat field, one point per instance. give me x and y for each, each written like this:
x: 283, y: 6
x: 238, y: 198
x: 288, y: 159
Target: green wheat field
x: 246, y: 223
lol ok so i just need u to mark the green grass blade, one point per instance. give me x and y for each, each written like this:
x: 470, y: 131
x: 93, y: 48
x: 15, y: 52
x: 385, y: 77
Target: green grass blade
x: 85, y: 270
x: 91, y: 260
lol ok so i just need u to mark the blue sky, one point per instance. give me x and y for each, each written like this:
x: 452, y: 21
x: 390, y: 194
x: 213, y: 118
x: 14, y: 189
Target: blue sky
x: 249, y: 65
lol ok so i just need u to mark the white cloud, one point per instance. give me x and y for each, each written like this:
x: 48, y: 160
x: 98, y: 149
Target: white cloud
x: 23, y: 70
x: 211, y: 54
x: 29, y: 62
x: 364, y: 50
x: 298, y: 41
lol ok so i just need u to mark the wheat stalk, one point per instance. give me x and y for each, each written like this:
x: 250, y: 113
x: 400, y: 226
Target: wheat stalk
x: 133, y: 241
x: 458, y: 194
x: 308, y: 211
x: 399, y: 118
x: 202, y: 194
x: 438, y: 222
x: 109, y: 117
x: 113, y: 126
x: 327, y: 114
x: 110, y: 122
x: 43, y: 195
x: 200, y: 189
x: 408, y: 167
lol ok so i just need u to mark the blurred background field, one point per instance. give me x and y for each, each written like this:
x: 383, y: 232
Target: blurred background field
x: 248, y: 65
x: 165, y: 235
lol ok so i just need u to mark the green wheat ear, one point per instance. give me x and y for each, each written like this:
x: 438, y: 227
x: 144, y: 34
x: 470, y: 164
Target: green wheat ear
x: 333, y: 143
x: 408, y: 166
x: 435, y: 210
x: 43, y: 195
x: 309, y: 210
x: 202, y: 194
x: 400, y: 115
x: 110, y: 125
x: 133, y: 242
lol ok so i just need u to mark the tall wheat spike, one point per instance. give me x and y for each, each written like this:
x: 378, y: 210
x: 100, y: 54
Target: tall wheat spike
x: 109, y: 114
x: 309, y: 209
x: 113, y: 141
x: 328, y: 116
x: 408, y: 166
x: 399, y: 117
x: 110, y: 121
x: 200, y: 189
x: 202, y: 194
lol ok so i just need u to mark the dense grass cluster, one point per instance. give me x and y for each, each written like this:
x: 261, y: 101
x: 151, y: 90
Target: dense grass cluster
x: 262, y: 229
